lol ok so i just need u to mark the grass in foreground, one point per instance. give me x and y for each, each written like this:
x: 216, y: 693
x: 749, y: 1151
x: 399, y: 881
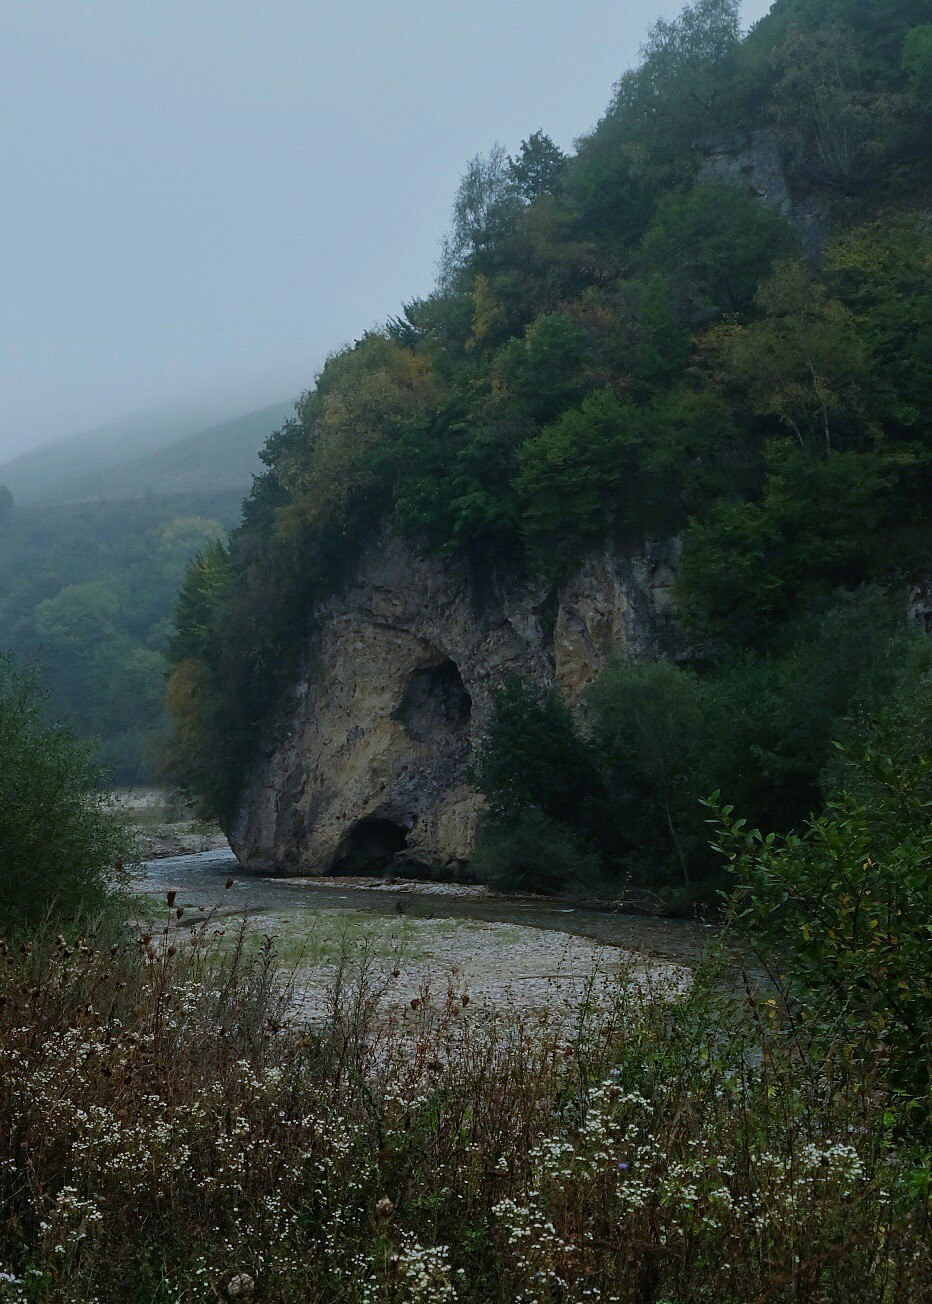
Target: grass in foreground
x: 171, y: 1134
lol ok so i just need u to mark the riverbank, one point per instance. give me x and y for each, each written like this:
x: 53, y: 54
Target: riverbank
x: 164, y: 824
x: 417, y: 939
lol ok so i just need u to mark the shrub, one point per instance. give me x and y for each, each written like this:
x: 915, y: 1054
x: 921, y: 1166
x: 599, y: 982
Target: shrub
x: 184, y: 1137
x: 529, y: 851
x: 840, y: 911
x: 658, y: 731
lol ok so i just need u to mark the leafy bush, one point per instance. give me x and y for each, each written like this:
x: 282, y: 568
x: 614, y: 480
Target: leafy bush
x: 617, y: 791
x: 659, y: 732
x: 58, y: 849
x: 715, y: 244
x: 527, y: 850
x: 841, y: 911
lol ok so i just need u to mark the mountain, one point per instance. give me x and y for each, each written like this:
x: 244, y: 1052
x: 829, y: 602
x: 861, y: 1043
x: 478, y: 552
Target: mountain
x: 172, y: 452
x: 219, y: 459
x: 48, y: 473
x: 705, y: 331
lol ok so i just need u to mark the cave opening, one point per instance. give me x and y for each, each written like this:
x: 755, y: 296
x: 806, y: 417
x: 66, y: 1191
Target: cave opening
x: 370, y: 847
x: 435, y: 699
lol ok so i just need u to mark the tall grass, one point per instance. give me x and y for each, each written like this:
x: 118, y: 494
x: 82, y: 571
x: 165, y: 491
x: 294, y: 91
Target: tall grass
x: 172, y: 1132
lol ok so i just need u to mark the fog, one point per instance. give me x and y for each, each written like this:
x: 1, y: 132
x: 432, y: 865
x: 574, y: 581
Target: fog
x: 202, y: 200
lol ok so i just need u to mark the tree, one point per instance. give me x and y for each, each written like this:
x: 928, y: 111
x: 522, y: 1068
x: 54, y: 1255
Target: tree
x: 657, y: 730
x: 819, y: 522
x: 801, y: 362
x: 484, y: 212
x: 837, y: 125
x: 6, y: 502
x: 539, y: 167
x: 58, y: 848
x: 578, y: 479
x: 881, y: 271
x: 840, y: 911
x: 545, y: 370
x: 182, y: 539
x: 680, y: 90
x: 79, y: 616
x: 543, y: 790
x: 715, y: 245
x: 917, y: 61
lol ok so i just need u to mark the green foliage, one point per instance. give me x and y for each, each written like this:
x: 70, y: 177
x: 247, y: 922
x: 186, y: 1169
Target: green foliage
x: 917, y: 60
x: 58, y: 848
x: 837, y: 123
x: 619, y: 790
x: 658, y: 732
x: 77, y: 616
x: 819, y: 523
x: 484, y: 212
x: 545, y: 369
x: 578, y: 481
x: 680, y: 91
x: 541, y: 782
x: 622, y: 349
x: 841, y: 910
x: 533, y: 756
x: 528, y: 851
x: 86, y: 594
x: 538, y: 168
x: 800, y: 362
x: 715, y: 244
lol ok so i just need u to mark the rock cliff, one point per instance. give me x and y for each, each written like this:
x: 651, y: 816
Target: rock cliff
x: 370, y: 760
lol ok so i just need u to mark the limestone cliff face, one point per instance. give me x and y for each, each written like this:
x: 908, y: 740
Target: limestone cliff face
x: 372, y: 751
x: 754, y: 162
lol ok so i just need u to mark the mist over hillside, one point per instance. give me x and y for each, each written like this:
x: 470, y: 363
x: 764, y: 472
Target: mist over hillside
x: 170, y: 450
x: 221, y: 458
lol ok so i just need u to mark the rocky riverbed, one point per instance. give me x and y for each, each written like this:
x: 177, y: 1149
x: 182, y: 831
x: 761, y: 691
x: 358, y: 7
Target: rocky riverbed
x: 425, y: 943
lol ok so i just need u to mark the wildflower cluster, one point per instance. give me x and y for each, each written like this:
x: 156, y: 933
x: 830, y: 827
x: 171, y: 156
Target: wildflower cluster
x: 173, y: 1133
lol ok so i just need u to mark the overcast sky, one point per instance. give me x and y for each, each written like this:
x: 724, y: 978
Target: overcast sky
x: 205, y: 197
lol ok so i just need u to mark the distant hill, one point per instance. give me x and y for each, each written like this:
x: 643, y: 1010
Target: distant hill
x: 48, y: 473
x: 220, y: 459
x: 162, y: 452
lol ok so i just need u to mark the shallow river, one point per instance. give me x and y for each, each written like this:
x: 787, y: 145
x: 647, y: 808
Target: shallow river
x: 200, y: 880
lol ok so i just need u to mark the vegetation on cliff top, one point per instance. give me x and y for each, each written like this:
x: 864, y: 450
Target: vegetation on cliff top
x: 624, y: 343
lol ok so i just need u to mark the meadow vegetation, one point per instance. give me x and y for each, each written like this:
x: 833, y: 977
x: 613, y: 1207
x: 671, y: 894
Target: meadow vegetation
x: 175, y: 1135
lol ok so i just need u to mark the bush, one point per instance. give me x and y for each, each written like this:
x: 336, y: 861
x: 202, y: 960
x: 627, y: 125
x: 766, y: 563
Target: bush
x: 528, y: 851
x: 658, y: 730
x: 58, y: 848
x: 840, y: 911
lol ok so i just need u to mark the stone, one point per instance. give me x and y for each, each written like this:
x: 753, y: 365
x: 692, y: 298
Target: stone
x: 369, y: 763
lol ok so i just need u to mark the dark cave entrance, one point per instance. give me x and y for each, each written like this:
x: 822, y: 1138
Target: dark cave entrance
x: 435, y: 699
x: 370, y: 847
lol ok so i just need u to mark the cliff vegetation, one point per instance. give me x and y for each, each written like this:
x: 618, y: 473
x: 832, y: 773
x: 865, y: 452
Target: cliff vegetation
x: 709, y: 321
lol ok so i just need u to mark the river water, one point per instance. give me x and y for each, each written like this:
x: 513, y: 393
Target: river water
x: 200, y: 880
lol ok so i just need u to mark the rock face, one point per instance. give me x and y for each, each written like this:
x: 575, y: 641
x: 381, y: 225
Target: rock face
x: 370, y: 762
x: 754, y: 162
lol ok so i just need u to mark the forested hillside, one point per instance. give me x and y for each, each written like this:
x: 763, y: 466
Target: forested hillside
x: 94, y: 540
x: 86, y: 593
x: 219, y: 459
x: 710, y: 322
x: 49, y: 473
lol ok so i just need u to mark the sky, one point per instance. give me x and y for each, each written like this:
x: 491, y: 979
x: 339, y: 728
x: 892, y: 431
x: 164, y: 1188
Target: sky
x: 203, y: 198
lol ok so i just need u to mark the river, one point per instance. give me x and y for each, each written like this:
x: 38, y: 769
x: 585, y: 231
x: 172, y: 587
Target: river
x: 200, y: 880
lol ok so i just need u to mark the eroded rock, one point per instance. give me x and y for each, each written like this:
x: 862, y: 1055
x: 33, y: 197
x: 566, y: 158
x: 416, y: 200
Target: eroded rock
x: 370, y: 764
